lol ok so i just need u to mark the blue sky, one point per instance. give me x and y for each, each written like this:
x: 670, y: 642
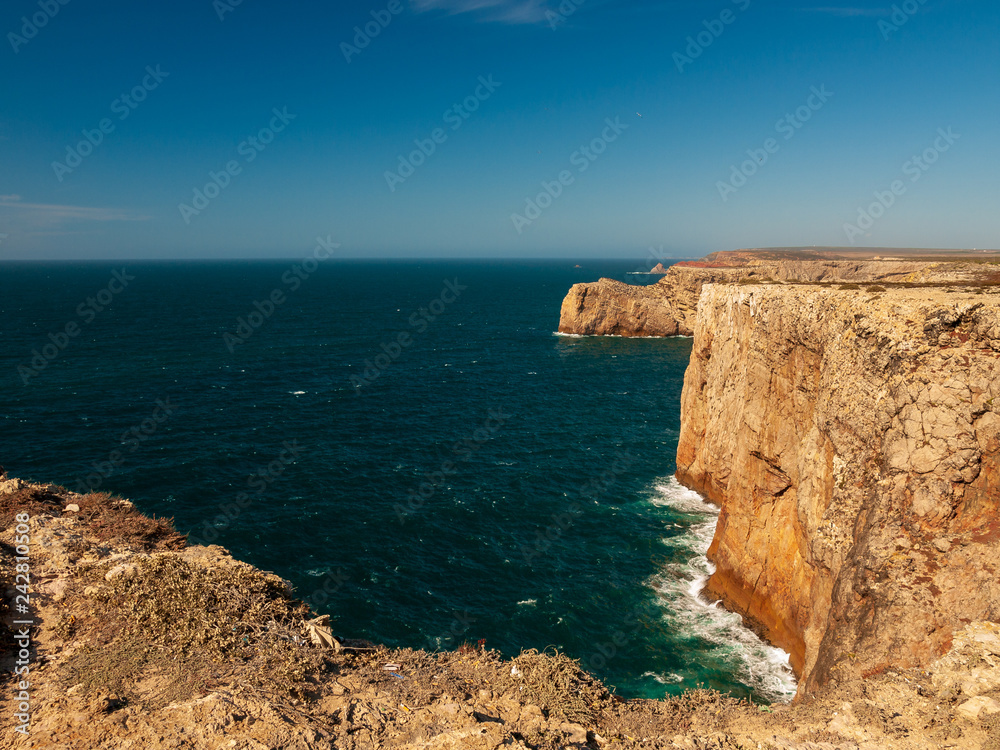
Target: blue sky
x: 528, y: 165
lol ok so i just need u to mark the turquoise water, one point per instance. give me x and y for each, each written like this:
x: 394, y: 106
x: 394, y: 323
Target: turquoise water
x: 409, y: 443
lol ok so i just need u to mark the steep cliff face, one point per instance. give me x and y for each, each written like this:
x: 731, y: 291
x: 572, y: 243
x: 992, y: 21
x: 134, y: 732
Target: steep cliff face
x: 667, y: 308
x: 853, y: 443
x: 611, y: 308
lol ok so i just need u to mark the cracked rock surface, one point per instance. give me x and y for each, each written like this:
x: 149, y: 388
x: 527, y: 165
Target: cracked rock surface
x: 852, y: 440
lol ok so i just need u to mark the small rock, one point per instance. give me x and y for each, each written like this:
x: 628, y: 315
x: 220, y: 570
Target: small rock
x: 531, y: 718
x: 575, y: 734
x: 942, y: 545
x: 10, y: 486
x: 531, y: 710
x: 125, y: 570
x: 844, y: 723
x: 974, y: 706
x: 989, y: 641
x: 72, y: 508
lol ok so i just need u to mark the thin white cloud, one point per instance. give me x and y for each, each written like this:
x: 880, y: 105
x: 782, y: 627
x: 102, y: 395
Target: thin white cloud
x: 48, y: 214
x: 503, y: 11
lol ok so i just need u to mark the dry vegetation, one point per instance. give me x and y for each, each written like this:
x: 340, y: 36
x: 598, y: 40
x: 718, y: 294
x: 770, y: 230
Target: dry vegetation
x: 147, y: 642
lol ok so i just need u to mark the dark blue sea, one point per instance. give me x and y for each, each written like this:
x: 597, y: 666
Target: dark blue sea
x: 410, y: 443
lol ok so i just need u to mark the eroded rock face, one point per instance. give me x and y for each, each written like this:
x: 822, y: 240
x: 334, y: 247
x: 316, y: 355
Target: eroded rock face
x: 668, y: 308
x: 853, y: 443
x: 611, y: 308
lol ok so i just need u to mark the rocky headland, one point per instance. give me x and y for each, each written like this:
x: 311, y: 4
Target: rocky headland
x: 842, y: 412
x: 668, y: 307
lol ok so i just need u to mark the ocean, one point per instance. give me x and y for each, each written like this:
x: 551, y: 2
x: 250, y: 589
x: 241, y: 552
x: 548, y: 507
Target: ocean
x: 410, y: 443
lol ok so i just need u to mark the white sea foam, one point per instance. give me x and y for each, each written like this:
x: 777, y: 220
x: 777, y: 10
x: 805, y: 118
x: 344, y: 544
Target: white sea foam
x: 664, y: 679
x: 612, y: 336
x: 764, y: 668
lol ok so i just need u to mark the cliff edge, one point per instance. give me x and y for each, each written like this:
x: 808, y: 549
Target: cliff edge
x: 852, y: 440
x: 668, y: 308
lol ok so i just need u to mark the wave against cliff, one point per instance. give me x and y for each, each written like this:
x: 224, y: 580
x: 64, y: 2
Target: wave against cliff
x: 681, y: 587
x: 850, y: 437
x: 853, y: 444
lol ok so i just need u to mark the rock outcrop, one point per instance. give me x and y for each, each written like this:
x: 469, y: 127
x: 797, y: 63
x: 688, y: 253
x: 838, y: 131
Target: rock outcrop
x: 667, y: 308
x: 852, y: 440
x: 611, y: 308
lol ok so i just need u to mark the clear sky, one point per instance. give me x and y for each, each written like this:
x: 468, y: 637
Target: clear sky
x: 593, y: 128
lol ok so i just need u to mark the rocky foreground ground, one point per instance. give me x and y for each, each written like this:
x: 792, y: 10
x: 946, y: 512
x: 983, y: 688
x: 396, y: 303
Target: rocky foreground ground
x: 141, y: 641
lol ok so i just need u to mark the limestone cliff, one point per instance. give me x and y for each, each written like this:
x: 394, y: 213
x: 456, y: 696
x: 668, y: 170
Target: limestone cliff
x: 667, y: 308
x: 853, y: 443
x: 611, y: 308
